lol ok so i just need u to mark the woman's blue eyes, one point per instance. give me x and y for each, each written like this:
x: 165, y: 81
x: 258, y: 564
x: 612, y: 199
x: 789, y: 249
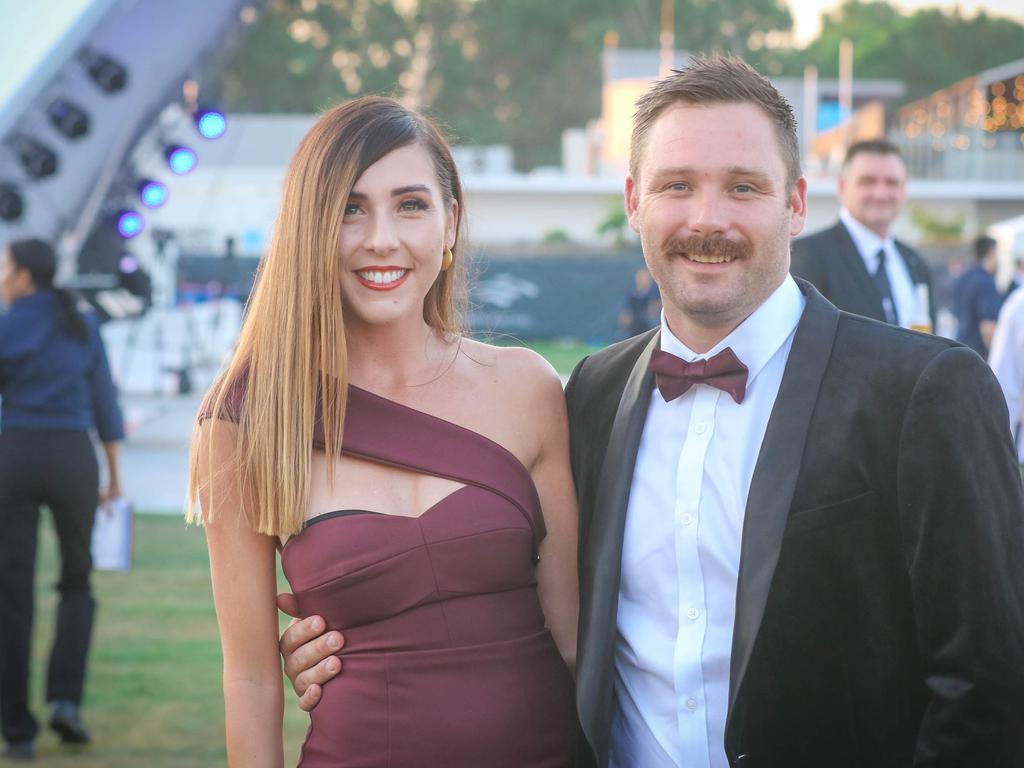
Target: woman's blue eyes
x: 406, y: 206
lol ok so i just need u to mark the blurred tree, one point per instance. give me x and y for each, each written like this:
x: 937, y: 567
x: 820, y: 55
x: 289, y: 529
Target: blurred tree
x: 516, y: 72
x: 614, y: 223
x: 936, y: 230
x: 928, y: 50
x: 306, y: 55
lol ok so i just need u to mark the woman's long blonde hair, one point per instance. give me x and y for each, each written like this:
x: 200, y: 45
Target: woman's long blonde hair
x: 289, y: 366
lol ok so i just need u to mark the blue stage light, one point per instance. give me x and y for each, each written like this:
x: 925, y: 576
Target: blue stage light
x: 152, y: 193
x: 181, y: 160
x: 128, y: 264
x: 129, y: 223
x: 210, y: 123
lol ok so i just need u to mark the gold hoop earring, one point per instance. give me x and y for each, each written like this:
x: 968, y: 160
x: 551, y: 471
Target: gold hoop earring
x: 447, y: 259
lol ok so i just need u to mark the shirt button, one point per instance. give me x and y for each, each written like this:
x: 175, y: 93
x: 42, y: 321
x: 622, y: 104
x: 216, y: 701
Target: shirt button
x: 701, y: 428
x: 687, y: 519
x: 691, y: 704
x: 692, y: 613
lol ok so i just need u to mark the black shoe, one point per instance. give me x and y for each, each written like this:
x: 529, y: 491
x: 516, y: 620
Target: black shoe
x: 20, y: 751
x: 64, y: 719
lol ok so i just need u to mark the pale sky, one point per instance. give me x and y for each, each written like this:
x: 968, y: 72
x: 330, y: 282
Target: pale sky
x: 807, y: 13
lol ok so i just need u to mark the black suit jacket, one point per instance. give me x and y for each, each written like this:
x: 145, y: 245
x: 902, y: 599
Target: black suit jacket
x: 880, y: 605
x: 830, y: 261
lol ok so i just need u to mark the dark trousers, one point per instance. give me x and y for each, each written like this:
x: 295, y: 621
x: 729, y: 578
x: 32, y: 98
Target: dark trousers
x: 57, y: 468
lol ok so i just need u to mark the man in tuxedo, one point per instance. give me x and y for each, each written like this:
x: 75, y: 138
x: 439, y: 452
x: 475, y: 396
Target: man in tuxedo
x: 801, y: 530
x: 856, y: 263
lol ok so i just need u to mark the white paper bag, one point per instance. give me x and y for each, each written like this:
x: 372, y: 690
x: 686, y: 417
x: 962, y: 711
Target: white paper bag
x: 112, y: 536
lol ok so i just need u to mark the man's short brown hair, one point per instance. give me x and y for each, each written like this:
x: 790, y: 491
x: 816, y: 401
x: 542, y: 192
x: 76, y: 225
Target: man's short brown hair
x: 878, y: 146
x: 717, y: 80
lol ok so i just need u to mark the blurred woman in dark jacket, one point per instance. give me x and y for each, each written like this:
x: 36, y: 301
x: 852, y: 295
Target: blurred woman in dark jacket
x: 55, y: 387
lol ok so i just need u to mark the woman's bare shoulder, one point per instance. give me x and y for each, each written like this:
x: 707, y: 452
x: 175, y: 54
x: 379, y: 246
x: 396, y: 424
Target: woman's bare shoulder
x: 516, y: 369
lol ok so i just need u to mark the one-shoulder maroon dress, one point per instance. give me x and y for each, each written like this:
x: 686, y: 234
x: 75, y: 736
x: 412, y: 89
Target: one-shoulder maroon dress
x: 446, y: 661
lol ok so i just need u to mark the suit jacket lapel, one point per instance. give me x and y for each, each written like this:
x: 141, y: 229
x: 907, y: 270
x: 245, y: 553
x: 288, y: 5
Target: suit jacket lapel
x: 918, y: 271
x: 604, y: 553
x: 776, y: 473
x: 855, y: 264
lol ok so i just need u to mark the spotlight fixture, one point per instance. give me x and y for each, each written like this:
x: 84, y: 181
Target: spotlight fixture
x: 181, y: 160
x: 127, y: 264
x: 133, y: 278
x: 38, y: 160
x: 210, y: 122
x: 129, y: 223
x: 12, y: 205
x: 68, y: 118
x: 152, y: 193
x: 109, y: 74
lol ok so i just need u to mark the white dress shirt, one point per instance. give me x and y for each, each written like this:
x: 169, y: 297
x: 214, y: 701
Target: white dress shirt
x: 1007, y: 360
x: 681, y: 549
x: 904, y: 294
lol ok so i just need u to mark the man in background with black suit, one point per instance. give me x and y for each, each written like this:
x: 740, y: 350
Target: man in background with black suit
x: 801, y: 530
x: 856, y: 263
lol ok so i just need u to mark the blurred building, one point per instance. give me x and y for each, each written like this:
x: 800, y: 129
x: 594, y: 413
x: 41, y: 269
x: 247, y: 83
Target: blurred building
x: 974, y: 129
x: 628, y: 73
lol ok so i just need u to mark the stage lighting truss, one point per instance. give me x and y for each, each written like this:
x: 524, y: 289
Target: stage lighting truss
x: 38, y: 160
x: 109, y: 74
x: 68, y: 118
x: 211, y: 123
x: 12, y: 204
x: 180, y: 159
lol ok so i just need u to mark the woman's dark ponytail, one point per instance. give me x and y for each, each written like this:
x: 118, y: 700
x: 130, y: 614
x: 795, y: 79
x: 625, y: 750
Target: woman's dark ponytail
x: 38, y: 258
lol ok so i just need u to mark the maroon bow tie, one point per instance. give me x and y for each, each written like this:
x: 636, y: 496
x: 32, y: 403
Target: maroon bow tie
x: 675, y: 376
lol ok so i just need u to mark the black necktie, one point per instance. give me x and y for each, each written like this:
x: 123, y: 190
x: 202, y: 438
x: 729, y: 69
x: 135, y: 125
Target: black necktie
x: 882, y: 281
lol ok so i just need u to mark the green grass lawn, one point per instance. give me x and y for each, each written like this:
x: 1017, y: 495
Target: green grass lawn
x: 563, y: 355
x: 153, y: 695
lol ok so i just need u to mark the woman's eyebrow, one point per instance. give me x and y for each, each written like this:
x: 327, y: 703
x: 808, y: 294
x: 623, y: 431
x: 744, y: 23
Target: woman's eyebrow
x: 397, y: 192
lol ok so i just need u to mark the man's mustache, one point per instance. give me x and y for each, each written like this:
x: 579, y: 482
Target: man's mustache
x: 709, y: 246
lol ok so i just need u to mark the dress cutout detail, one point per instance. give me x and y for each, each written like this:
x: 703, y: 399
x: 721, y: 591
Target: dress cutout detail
x: 447, y: 661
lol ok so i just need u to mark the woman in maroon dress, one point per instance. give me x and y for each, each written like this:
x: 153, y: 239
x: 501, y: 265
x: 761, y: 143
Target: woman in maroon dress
x: 416, y: 482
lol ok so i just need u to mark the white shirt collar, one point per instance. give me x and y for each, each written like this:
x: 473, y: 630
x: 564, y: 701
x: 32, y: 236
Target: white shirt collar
x: 757, y: 338
x: 867, y: 242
